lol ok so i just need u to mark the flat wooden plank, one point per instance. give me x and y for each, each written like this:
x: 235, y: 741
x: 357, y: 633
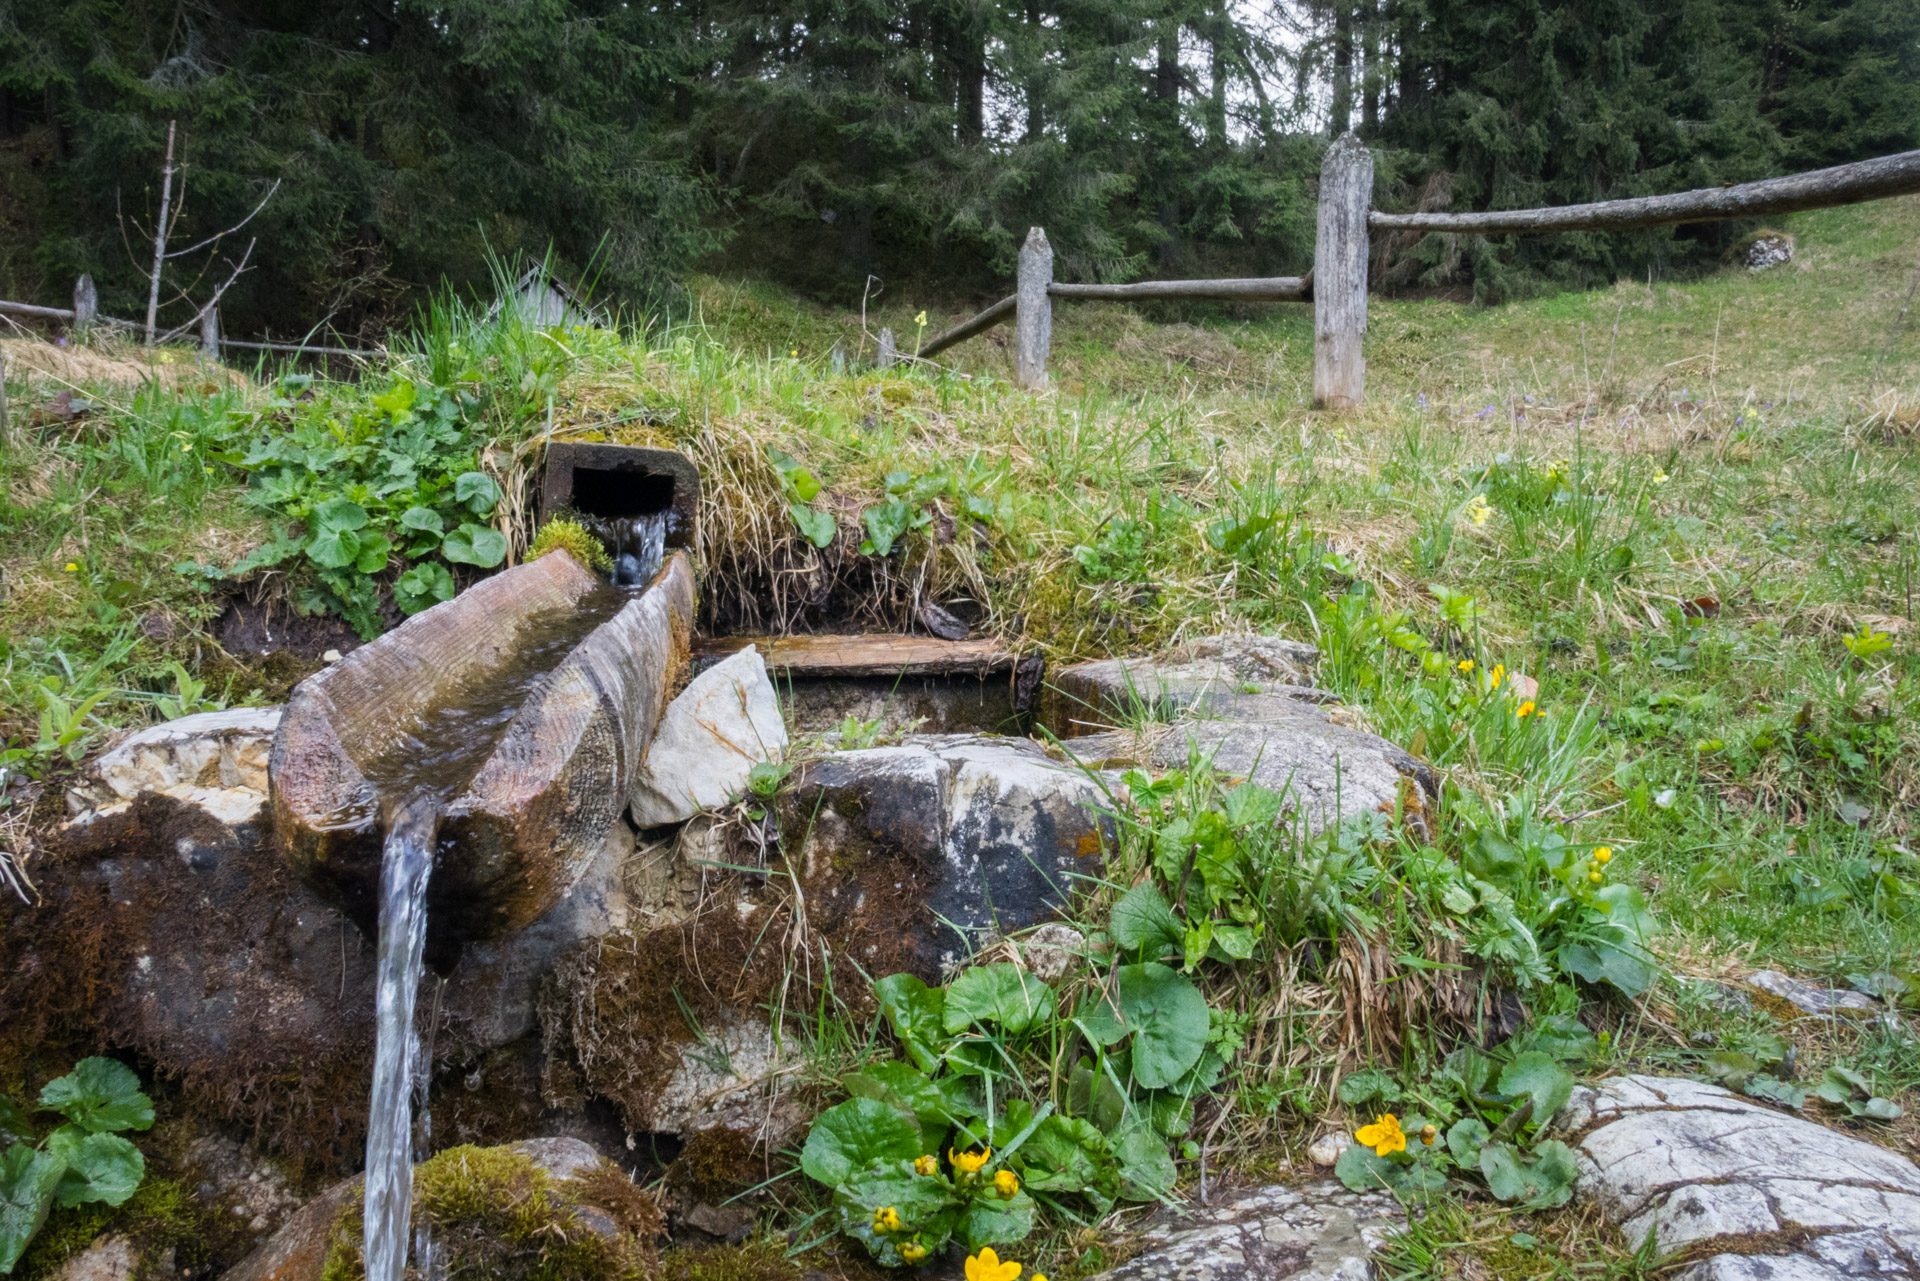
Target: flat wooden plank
x: 866, y: 654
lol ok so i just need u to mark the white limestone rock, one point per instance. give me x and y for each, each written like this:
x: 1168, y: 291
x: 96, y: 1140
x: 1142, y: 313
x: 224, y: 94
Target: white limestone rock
x: 723, y: 724
x: 1691, y: 1164
x: 1316, y: 1232
x: 215, y: 761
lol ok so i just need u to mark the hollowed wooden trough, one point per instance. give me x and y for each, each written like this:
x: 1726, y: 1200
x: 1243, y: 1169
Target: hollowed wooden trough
x: 540, y: 804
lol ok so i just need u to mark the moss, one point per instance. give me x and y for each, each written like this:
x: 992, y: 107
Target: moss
x: 494, y: 1213
x: 715, y: 1164
x: 570, y: 536
x: 159, y: 1216
x: 761, y: 1260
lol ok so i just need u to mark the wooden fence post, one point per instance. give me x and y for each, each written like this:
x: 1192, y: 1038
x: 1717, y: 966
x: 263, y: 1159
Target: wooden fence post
x: 1033, y: 312
x: 1340, y: 276
x: 210, y: 333
x: 888, y: 351
x: 86, y: 303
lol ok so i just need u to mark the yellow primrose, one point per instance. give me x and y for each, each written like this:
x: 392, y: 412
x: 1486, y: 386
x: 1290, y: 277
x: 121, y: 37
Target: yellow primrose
x: 886, y: 1219
x: 986, y: 1266
x: 913, y: 1252
x: 969, y: 1162
x: 920, y: 319
x: 926, y: 1165
x: 1479, y: 511
x: 1384, y: 1135
x: 1524, y: 710
x: 1006, y: 1183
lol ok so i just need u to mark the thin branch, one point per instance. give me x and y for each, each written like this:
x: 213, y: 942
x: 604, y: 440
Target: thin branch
x: 160, y: 236
x: 179, y: 253
x: 214, y: 301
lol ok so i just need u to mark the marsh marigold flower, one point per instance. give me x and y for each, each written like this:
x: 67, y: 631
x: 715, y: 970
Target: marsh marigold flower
x: 1384, y: 1135
x: 986, y: 1266
x: 1603, y: 855
x: 1428, y: 1133
x: 969, y: 1162
x: 926, y: 1165
x: 1524, y: 710
x: 1006, y: 1183
x: 1465, y: 664
x: 886, y: 1219
x: 913, y: 1252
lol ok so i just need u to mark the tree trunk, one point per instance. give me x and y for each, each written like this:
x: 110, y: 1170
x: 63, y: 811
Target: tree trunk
x: 1370, y: 76
x: 1341, y: 119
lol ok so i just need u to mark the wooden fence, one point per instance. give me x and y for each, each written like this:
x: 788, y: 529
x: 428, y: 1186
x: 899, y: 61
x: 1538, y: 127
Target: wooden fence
x: 1337, y: 286
x: 85, y: 313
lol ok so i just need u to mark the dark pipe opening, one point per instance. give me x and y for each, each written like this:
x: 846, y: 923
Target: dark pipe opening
x: 608, y: 492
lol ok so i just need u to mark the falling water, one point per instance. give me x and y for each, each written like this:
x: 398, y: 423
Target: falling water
x: 638, y: 545
x: 405, y: 866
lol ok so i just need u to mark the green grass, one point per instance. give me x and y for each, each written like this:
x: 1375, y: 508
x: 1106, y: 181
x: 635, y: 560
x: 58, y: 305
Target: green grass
x: 1693, y: 494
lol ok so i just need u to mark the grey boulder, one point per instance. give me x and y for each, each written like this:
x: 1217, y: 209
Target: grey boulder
x: 725, y: 722
x: 927, y: 848
x: 1201, y: 674
x: 1314, y: 1232
x: 1751, y: 1193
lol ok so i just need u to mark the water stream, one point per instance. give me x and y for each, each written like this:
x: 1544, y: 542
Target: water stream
x: 416, y: 775
x: 637, y: 543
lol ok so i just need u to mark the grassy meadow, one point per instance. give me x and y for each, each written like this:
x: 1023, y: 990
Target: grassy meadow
x: 1682, y: 517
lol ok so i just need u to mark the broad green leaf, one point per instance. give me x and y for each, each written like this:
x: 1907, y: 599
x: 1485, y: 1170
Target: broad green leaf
x: 371, y: 557
x: 1604, y: 961
x: 1879, y: 1109
x: 1539, y: 1180
x: 1002, y: 995
x: 885, y: 523
x: 1361, y: 1169
x: 424, y: 584
x: 988, y: 1220
x: 27, y: 1182
x: 1563, y: 1036
x: 819, y: 527
x: 398, y: 402
x: 339, y: 514
x: 805, y: 484
x: 1142, y: 919
x: 899, y: 1086
x: 1093, y: 1095
x: 1168, y: 1019
x: 916, y: 1013
x: 926, y: 1205
x: 1535, y: 1075
x: 99, y: 1095
x: 1465, y: 1139
x: 473, y: 544
x: 1146, y: 1169
x: 424, y: 519
x: 849, y: 1136
x: 1367, y: 1085
x: 100, y: 1167
x: 14, y: 1126
x: 476, y: 491
x: 1067, y: 1154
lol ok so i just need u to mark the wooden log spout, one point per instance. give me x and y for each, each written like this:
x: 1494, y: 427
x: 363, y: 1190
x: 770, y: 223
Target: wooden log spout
x: 520, y: 830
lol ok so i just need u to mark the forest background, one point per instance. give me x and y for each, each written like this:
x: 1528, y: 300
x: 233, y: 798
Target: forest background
x: 822, y: 144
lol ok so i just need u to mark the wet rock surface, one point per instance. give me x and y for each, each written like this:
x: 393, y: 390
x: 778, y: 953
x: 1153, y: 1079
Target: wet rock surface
x: 1813, y: 997
x: 1316, y: 1232
x: 725, y: 722
x: 1748, y: 1193
x: 1210, y: 672
x: 940, y: 840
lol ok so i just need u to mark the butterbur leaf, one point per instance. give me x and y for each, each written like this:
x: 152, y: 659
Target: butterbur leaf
x: 926, y: 1207
x: 477, y: 491
x: 1067, y: 1154
x: 900, y: 1086
x: 1093, y: 1095
x: 1535, y: 1075
x: 28, y: 1179
x: 423, y: 585
x: 1465, y: 1139
x: 99, y: 1095
x: 1367, y: 1085
x: 1146, y: 1169
x: 1878, y: 1109
x: 424, y: 519
x: 1361, y: 1169
x: 100, y: 1167
x: 850, y: 1136
x: 371, y: 555
x: 818, y: 527
x: 1607, y: 961
x: 1001, y: 994
x: 1538, y: 1180
x: 473, y: 544
x: 885, y: 523
x: 1142, y: 919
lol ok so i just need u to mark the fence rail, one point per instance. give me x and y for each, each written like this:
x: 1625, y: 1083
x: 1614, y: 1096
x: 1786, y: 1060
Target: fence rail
x: 1897, y: 175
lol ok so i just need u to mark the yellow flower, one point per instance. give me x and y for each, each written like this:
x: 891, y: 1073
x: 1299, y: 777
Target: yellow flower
x: 926, y: 1165
x: 72, y: 568
x: 1428, y: 1133
x: 920, y: 319
x: 913, y: 1252
x: 1479, y: 511
x: 986, y: 1266
x: 795, y: 353
x: 1524, y: 710
x: 1660, y: 477
x: 1603, y: 855
x: 1006, y: 1183
x: 1596, y: 876
x: 969, y: 1162
x: 886, y: 1219
x: 1384, y: 1135
x: 1465, y: 664
x: 1499, y: 673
